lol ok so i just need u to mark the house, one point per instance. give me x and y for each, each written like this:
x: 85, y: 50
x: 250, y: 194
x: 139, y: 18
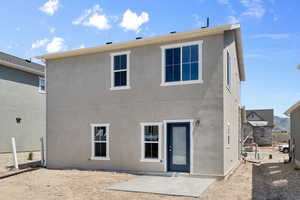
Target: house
x: 258, y: 128
x: 168, y: 103
x: 294, y: 114
x: 22, y: 108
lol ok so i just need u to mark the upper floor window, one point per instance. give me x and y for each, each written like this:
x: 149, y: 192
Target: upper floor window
x: 182, y: 63
x: 228, y: 70
x: 42, y: 85
x: 120, y: 70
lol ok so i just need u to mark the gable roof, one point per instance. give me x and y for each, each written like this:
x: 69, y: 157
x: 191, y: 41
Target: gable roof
x: 21, y: 64
x: 255, y: 117
x: 157, y: 40
x: 264, y: 115
x: 292, y: 108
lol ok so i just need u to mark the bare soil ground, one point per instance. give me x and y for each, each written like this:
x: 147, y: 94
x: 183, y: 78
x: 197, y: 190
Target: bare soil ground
x: 270, y: 180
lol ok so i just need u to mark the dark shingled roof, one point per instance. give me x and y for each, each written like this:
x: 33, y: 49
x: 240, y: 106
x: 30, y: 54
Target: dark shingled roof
x: 265, y: 114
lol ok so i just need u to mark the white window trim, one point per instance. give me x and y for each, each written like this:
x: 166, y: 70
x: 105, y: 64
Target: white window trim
x: 159, y: 124
x: 191, y: 121
x: 93, y: 157
x: 40, y: 90
x: 200, y: 63
x: 127, y: 53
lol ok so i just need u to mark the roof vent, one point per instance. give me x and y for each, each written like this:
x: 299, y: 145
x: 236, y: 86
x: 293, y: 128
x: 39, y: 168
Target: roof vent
x: 108, y: 43
x: 207, y: 23
x: 138, y: 38
x: 172, y: 32
x: 28, y: 60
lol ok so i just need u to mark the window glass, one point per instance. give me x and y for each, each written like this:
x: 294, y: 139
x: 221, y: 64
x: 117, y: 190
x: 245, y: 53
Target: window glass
x: 172, y: 64
x: 185, y: 70
x: 42, y: 84
x: 100, y: 140
x: 151, y: 150
x: 228, y: 69
x: 120, y: 62
x: 100, y: 134
x: 151, y: 142
x: 120, y: 70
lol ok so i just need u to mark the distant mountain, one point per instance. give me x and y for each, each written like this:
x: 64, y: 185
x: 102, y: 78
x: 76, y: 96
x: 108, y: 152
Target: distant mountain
x: 281, y: 124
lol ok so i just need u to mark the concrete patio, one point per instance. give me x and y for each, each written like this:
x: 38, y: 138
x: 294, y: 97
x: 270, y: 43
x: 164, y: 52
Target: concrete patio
x: 178, y: 186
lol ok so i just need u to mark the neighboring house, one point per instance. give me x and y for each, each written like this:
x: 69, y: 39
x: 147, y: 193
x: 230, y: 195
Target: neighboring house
x: 22, y: 103
x: 169, y: 103
x: 258, y: 128
x: 294, y: 114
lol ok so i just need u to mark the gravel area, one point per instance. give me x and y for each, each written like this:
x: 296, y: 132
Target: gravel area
x: 270, y: 180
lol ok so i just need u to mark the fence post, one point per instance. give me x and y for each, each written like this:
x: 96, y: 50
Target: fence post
x: 42, y: 152
x: 13, y: 143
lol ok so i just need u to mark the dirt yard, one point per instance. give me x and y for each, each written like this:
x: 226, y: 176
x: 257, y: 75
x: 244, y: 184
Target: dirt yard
x: 270, y: 180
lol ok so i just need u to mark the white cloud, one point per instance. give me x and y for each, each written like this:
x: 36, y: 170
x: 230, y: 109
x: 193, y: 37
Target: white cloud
x: 50, y: 7
x: 271, y: 36
x: 232, y: 20
x: 82, y: 46
x: 132, y: 22
x: 57, y: 44
x: 52, y: 30
x: 254, y: 8
x: 199, y: 23
x: 93, y: 17
x: 39, y: 43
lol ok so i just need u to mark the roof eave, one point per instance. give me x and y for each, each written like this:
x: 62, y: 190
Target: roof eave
x: 21, y: 68
x: 142, y: 42
x: 239, y: 47
x: 292, y: 108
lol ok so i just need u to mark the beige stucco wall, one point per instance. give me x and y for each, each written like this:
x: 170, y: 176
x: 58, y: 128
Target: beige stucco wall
x: 79, y: 94
x: 231, y: 105
x: 295, y: 134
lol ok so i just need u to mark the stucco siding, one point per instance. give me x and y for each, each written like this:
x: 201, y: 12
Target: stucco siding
x: 295, y: 133
x: 231, y: 105
x: 20, y: 97
x: 79, y: 94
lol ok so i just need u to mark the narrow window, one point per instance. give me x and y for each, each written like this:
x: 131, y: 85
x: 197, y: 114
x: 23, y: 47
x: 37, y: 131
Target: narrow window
x: 100, y: 140
x: 182, y: 63
x: 120, y: 70
x: 42, y: 86
x: 228, y: 133
x: 228, y: 70
x: 151, y: 141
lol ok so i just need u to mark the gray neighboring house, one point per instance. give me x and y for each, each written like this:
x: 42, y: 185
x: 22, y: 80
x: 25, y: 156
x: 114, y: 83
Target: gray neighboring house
x: 169, y: 103
x: 259, y: 126
x: 22, y: 103
x: 294, y: 114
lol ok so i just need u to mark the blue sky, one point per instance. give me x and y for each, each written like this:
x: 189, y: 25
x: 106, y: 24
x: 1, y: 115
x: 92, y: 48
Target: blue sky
x: 270, y: 31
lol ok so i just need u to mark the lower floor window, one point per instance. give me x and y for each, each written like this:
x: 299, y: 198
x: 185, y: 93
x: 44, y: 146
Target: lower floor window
x: 151, y: 141
x: 100, y: 139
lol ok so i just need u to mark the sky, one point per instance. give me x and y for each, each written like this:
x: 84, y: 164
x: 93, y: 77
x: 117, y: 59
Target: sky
x: 270, y: 34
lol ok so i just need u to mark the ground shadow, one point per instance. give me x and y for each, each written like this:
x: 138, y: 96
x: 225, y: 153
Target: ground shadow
x: 275, y: 181
x: 27, y: 165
